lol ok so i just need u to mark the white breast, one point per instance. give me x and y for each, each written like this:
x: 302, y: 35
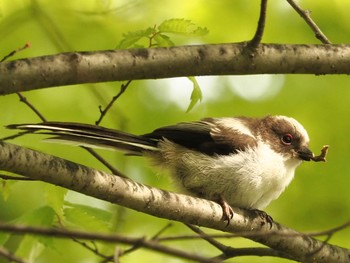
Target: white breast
x: 248, y: 179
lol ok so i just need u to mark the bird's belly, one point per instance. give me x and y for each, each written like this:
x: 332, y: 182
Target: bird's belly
x: 243, y: 182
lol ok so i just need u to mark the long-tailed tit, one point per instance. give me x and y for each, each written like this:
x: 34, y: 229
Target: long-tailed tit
x: 240, y: 161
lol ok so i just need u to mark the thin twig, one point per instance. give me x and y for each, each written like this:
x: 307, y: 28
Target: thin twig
x: 16, y: 178
x: 154, y: 238
x: 305, y: 14
x: 330, y: 231
x: 41, y: 116
x: 322, y: 156
x: 93, y: 249
x: 207, y: 238
x: 229, y: 252
x: 110, y: 104
x: 12, y: 53
x: 8, y: 255
x: 252, y: 251
x: 31, y: 106
x: 111, y: 238
x: 11, y: 137
x: 261, y: 26
x: 104, y: 162
x: 258, y: 233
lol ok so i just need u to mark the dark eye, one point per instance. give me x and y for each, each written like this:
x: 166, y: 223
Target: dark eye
x: 287, y: 139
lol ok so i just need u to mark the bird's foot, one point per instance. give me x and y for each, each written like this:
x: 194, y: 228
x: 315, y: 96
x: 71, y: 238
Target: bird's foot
x: 264, y: 216
x: 227, y: 211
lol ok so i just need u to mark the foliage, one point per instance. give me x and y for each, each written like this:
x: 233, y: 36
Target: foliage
x: 157, y: 37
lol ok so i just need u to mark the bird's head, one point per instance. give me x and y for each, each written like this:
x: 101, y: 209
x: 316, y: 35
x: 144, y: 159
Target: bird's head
x: 286, y: 136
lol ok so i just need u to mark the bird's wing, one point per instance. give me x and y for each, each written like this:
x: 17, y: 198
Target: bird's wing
x: 206, y: 136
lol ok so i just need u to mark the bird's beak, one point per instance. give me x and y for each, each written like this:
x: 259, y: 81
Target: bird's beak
x: 305, y: 154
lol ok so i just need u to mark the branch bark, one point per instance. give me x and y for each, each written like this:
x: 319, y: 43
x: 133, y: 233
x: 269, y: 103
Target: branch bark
x: 220, y: 59
x: 164, y: 204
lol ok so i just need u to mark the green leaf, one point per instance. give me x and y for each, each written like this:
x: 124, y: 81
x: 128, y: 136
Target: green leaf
x: 6, y: 186
x: 182, y: 27
x: 43, y: 216
x: 131, y: 38
x: 163, y: 41
x: 32, y: 246
x: 196, y: 95
x: 55, y: 198
x: 29, y: 248
x: 87, y: 217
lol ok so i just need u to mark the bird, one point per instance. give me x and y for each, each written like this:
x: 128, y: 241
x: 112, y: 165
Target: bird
x: 244, y: 162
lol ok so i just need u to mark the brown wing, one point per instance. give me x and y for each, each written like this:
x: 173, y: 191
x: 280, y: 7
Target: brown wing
x: 205, y: 136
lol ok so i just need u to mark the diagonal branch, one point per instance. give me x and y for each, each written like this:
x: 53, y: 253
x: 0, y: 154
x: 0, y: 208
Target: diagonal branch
x: 164, y: 204
x: 305, y: 14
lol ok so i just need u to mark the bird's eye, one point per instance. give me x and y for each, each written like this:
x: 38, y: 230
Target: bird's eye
x: 287, y: 139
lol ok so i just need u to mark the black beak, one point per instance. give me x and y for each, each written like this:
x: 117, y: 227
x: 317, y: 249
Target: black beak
x: 305, y: 154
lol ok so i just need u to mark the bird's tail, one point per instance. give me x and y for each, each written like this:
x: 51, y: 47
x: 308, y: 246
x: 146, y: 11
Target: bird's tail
x: 91, y: 136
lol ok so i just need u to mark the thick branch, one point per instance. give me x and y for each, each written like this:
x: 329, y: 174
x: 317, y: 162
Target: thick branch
x: 225, y: 59
x: 163, y: 204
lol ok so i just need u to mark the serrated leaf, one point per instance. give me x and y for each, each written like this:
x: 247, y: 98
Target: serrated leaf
x: 131, y: 38
x: 88, y: 217
x: 43, y: 216
x: 29, y: 248
x: 182, y: 27
x: 6, y: 186
x: 196, y: 95
x: 55, y: 198
x: 163, y: 40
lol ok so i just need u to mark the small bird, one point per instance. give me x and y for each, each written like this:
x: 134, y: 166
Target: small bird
x: 236, y: 161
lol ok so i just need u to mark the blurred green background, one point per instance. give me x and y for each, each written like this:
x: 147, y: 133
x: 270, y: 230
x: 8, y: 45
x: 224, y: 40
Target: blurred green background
x: 317, y: 199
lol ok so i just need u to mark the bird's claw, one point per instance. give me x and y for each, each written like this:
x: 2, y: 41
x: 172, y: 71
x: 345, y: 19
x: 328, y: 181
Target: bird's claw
x: 227, y: 211
x: 264, y: 216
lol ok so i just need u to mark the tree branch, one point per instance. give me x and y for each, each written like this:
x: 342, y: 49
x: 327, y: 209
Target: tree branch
x: 305, y: 14
x: 261, y: 26
x: 9, y: 256
x: 64, y: 233
x: 164, y: 204
x: 223, y: 59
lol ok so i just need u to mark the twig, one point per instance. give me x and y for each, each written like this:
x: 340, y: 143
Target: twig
x: 207, y: 238
x: 322, y: 156
x: 154, y: 238
x: 11, y: 137
x: 261, y: 26
x: 258, y: 233
x: 31, y: 106
x: 253, y: 251
x: 64, y: 233
x: 104, y: 162
x: 229, y: 252
x: 41, y: 116
x: 12, y: 53
x: 305, y: 14
x: 17, y: 178
x: 330, y: 231
x: 93, y: 249
x: 110, y: 104
x: 11, y: 258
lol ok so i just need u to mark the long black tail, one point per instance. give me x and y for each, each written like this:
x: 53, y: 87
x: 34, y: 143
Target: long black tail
x: 91, y: 136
